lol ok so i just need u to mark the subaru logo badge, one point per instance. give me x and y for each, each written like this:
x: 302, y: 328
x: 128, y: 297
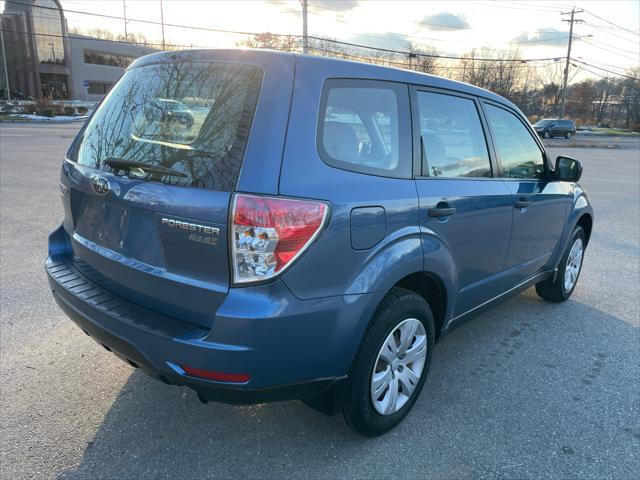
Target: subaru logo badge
x: 100, y: 185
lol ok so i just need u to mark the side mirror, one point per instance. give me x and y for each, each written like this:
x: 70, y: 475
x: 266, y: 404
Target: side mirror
x: 568, y: 169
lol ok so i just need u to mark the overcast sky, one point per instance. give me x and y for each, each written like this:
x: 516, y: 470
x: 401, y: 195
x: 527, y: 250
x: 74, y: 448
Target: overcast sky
x: 453, y: 27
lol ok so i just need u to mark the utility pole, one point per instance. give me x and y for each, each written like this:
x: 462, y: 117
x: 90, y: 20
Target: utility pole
x: 124, y: 8
x: 162, y: 22
x: 566, y: 66
x: 4, y: 60
x: 305, y: 36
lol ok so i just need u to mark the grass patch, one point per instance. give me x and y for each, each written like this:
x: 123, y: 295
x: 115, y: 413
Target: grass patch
x: 614, y: 132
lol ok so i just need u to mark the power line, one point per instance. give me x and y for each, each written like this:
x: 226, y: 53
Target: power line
x: 610, y: 51
x: 603, y: 29
x: 615, y: 49
x: 611, y: 23
x: 580, y: 67
x: 606, y: 70
x: 238, y: 32
x: 83, y: 37
x: 405, y: 64
x: 428, y: 55
x: 403, y: 36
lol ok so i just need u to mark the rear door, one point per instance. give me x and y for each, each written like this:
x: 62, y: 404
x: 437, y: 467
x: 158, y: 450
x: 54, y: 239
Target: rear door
x: 461, y: 202
x: 539, y: 203
x: 147, y: 184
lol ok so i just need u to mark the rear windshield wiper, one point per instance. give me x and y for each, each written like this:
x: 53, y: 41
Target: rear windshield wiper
x: 122, y: 164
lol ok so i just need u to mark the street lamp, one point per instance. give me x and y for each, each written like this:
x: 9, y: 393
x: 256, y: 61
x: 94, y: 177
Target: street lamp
x: 53, y: 52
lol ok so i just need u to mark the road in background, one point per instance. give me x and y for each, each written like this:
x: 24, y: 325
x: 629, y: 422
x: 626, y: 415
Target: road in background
x: 528, y: 390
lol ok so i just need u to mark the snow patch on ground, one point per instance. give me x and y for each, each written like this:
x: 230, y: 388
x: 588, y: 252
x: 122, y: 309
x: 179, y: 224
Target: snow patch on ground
x: 55, y: 118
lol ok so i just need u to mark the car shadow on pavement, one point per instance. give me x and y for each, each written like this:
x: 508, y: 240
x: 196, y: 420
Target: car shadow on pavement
x: 529, y: 389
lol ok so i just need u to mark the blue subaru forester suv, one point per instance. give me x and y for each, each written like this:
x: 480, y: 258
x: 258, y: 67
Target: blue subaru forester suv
x: 265, y: 226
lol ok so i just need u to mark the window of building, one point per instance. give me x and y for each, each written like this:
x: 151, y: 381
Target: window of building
x: 54, y: 86
x: 47, y: 27
x: 95, y: 57
x: 99, y: 88
x: 364, y: 127
x: 453, y: 143
x: 517, y: 151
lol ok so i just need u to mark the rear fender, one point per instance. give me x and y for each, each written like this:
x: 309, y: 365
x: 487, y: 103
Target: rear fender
x: 387, y: 263
x: 399, y: 258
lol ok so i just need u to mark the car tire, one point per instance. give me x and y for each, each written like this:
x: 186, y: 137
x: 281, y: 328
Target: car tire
x: 561, y: 288
x: 546, y: 135
x: 567, y: 135
x: 400, y: 309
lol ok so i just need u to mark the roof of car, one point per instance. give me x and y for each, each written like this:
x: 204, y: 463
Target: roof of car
x: 330, y: 65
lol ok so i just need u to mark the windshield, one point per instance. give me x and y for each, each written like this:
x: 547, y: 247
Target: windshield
x: 187, y: 121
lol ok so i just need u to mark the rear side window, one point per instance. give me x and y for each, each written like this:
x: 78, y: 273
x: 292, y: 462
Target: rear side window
x: 517, y: 151
x: 364, y: 127
x: 183, y: 123
x: 453, y: 143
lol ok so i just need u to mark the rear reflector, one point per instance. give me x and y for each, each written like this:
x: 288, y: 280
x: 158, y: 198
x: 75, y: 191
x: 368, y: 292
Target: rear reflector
x: 269, y: 233
x: 216, y: 376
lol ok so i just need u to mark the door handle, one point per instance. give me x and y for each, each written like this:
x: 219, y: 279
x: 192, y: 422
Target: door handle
x: 522, y: 202
x: 441, y: 210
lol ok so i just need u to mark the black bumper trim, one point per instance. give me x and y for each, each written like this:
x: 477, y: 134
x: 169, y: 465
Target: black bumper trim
x: 87, y: 304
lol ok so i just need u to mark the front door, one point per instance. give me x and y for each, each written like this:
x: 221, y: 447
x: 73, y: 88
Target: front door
x: 539, y: 204
x: 461, y: 205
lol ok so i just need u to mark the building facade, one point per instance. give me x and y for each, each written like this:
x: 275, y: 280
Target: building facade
x: 37, y: 56
x: 97, y: 64
x: 44, y: 61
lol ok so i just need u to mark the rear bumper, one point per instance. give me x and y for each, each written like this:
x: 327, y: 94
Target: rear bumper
x: 292, y: 349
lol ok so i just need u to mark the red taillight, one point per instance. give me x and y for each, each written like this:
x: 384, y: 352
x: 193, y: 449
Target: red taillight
x: 216, y: 376
x: 270, y: 232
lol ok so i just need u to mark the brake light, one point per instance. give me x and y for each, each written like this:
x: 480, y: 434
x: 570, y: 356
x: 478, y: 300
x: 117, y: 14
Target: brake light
x: 268, y: 233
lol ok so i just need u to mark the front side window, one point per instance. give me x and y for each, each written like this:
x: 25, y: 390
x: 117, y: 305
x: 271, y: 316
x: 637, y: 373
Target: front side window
x: 183, y: 123
x: 453, y: 143
x: 363, y: 127
x: 517, y: 151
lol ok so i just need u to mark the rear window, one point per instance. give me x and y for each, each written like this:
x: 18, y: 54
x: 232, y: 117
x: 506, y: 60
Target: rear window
x: 364, y: 127
x: 183, y: 123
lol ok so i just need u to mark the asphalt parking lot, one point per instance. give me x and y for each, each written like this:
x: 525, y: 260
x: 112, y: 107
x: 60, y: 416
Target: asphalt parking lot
x: 528, y: 390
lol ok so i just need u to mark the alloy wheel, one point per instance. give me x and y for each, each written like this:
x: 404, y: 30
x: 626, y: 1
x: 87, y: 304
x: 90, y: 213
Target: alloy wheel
x: 574, y: 262
x: 399, y: 366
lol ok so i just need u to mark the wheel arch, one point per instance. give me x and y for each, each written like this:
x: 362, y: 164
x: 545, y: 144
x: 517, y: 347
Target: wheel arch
x: 433, y: 290
x: 586, y: 222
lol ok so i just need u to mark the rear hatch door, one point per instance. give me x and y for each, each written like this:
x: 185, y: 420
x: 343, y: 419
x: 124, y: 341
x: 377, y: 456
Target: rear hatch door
x: 148, y: 182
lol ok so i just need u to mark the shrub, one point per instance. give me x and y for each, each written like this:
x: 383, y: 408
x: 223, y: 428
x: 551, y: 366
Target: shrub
x: 31, y: 109
x: 69, y: 111
x: 82, y: 110
x: 47, y: 112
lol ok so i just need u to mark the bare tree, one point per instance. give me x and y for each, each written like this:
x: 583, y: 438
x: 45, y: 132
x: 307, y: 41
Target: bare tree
x: 287, y: 43
x: 630, y: 97
x: 502, y: 74
x: 605, y: 90
x: 132, y: 37
x: 422, y: 59
x: 581, y: 97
